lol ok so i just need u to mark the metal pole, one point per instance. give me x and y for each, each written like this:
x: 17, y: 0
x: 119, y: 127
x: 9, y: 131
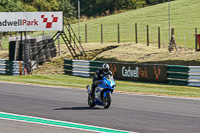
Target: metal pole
x: 26, y: 53
x: 147, y: 35
x: 102, y: 33
x: 79, y: 21
x: 16, y: 47
x: 159, y: 37
x: 59, y: 45
x: 196, y: 49
x: 136, y: 37
x: 20, y: 47
x: 118, y: 33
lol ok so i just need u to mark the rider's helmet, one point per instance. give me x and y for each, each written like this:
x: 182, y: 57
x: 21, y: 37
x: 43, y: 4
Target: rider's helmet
x: 105, y: 67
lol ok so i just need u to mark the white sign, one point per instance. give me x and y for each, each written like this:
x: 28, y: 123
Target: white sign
x: 31, y: 21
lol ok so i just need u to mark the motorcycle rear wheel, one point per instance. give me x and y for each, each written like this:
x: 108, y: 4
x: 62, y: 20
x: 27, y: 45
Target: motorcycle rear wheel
x: 91, y: 102
x: 107, y: 100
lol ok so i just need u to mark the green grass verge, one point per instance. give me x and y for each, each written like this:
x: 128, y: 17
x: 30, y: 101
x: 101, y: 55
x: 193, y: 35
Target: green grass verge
x: 124, y: 86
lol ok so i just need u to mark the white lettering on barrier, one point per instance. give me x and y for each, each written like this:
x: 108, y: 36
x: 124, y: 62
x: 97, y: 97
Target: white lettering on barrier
x: 130, y: 73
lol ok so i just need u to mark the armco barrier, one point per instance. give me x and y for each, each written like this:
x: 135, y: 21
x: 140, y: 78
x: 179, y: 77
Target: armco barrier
x: 81, y: 67
x: 184, y: 75
x: 177, y: 75
x: 11, y: 67
x: 122, y: 71
x: 172, y: 74
x: 194, y: 76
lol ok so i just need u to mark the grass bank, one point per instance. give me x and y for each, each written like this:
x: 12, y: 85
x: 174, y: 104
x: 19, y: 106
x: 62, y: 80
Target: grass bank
x: 184, y: 18
x: 122, y: 86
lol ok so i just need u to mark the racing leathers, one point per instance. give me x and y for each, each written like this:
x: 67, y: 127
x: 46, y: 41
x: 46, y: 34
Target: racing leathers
x: 98, y: 76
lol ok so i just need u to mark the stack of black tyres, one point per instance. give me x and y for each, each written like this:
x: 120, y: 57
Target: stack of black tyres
x: 33, y: 48
x: 53, y: 50
x: 37, y: 50
x: 41, y: 55
x: 47, y: 49
x: 12, y: 50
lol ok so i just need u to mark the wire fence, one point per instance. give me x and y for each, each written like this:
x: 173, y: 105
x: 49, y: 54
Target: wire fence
x: 104, y: 33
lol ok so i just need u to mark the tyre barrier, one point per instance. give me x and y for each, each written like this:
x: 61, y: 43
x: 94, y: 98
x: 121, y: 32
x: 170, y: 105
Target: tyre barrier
x: 11, y: 67
x: 82, y: 68
x: 46, y: 49
x: 33, y: 49
x: 37, y: 51
x: 53, y: 51
x: 183, y: 75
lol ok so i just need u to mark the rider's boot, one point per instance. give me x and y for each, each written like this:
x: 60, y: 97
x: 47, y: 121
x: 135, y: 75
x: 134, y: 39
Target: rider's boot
x: 88, y: 89
x: 92, y: 93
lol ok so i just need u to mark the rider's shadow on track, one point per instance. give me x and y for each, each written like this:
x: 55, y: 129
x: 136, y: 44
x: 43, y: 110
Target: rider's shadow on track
x: 78, y: 108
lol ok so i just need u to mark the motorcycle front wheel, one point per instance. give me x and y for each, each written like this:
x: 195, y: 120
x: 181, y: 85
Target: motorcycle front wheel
x: 91, y: 102
x: 107, y: 100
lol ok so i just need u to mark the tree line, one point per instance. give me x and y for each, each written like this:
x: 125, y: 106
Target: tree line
x: 89, y: 8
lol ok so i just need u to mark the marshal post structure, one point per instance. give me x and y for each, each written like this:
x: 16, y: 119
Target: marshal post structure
x: 30, y: 21
x: 37, y: 50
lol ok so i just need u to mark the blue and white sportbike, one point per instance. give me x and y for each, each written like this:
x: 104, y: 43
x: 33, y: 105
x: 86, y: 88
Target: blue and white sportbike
x: 102, y: 94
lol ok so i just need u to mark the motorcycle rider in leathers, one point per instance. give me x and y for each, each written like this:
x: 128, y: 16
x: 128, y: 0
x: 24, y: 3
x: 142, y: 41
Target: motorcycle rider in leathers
x: 103, y: 71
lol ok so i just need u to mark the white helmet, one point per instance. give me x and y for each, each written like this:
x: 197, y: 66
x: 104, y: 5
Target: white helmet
x: 105, y: 67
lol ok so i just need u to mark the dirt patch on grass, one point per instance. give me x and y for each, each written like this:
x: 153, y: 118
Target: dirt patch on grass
x: 55, y: 66
x: 91, y: 54
x: 140, y: 53
x: 4, y: 54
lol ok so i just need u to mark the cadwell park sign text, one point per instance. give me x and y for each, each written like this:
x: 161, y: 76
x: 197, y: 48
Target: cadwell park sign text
x: 139, y: 72
x: 31, y: 21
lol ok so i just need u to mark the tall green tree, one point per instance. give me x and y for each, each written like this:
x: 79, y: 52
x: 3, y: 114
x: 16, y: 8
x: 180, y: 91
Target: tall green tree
x: 11, y: 6
x: 68, y: 9
x: 42, y: 5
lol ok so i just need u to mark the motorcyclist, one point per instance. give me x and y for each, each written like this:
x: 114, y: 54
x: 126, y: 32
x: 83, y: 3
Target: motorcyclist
x: 103, y: 71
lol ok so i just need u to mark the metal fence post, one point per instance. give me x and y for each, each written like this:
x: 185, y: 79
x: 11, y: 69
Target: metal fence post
x: 136, y: 37
x: 118, y: 33
x: 196, y: 49
x: 158, y: 37
x: 101, y: 33
x: 147, y: 35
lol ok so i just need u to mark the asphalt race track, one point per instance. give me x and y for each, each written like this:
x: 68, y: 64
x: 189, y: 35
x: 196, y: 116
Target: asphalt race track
x: 128, y: 112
